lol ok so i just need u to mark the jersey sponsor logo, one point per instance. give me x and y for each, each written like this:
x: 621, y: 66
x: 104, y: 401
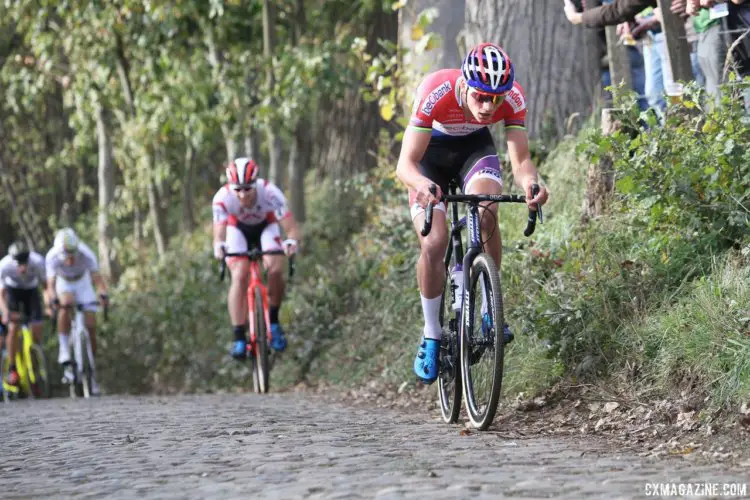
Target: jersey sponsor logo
x: 415, y: 105
x: 432, y: 99
x: 516, y: 100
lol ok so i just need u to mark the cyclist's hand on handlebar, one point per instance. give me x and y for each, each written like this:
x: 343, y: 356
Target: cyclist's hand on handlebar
x: 428, y: 192
x: 220, y: 248
x: 290, y: 246
x: 540, y: 199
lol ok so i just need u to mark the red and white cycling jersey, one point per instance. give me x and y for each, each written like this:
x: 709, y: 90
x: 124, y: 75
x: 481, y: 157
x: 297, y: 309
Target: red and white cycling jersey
x: 438, y: 108
x: 270, y: 206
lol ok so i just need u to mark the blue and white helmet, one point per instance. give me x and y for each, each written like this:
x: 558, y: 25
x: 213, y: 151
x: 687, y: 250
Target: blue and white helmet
x: 488, y: 69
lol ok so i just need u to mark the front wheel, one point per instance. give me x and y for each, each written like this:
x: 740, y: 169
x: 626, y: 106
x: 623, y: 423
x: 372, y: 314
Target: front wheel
x: 481, y: 343
x: 260, y: 363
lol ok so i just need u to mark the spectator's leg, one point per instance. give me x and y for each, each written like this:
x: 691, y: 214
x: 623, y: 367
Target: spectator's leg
x: 649, y: 64
x: 662, y: 74
x: 638, y: 75
x: 711, y: 54
x: 697, y: 73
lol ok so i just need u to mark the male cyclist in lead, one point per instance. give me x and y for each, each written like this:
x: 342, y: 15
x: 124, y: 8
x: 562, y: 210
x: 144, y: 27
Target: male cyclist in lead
x: 21, y: 273
x: 72, y: 270
x: 247, y: 213
x: 447, y: 138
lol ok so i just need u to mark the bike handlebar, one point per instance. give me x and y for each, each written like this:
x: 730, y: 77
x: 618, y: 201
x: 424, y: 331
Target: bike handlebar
x: 255, y: 255
x: 80, y: 306
x: 476, y: 198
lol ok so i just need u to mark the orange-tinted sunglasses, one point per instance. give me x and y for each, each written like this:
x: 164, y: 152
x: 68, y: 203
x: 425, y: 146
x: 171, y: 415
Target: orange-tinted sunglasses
x: 482, y: 98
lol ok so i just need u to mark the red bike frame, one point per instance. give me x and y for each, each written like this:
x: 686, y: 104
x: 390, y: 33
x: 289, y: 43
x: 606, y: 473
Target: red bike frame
x: 256, y: 281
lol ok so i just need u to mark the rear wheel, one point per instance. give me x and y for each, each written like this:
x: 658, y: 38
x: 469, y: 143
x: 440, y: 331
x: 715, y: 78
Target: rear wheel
x: 449, y: 375
x: 4, y: 374
x: 260, y: 365
x: 482, y: 352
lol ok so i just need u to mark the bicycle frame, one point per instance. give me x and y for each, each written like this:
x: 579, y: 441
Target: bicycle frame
x: 23, y: 362
x: 256, y: 282
x: 78, y: 332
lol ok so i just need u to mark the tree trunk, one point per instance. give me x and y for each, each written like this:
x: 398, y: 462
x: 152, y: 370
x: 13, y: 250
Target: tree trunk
x: 158, y: 220
x: 230, y: 141
x: 348, y: 128
x: 274, y: 144
x: 106, y: 181
x: 299, y: 158
x: 155, y: 209
x: 188, y: 190
x: 251, y: 144
x: 600, y: 178
x: 557, y: 64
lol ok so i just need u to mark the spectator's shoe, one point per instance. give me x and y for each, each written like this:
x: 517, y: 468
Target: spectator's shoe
x: 426, y: 362
x: 278, y: 340
x: 239, y: 349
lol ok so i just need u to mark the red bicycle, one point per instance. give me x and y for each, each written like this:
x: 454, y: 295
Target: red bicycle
x: 259, y: 316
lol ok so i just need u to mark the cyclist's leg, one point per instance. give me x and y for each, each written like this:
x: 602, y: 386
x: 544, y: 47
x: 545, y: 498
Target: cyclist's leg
x: 14, y: 326
x: 85, y: 294
x: 236, y: 298
x: 16, y: 301
x: 35, y: 316
x: 66, y: 295
x: 270, y: 240
x: 430, y: 280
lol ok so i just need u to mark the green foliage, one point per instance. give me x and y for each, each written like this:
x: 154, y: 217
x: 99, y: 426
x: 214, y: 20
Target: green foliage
x: 702, y: 342
x: 693, y: 173
x: 168, y: 328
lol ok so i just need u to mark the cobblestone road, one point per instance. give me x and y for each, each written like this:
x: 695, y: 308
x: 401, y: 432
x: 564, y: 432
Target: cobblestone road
x: 286, y: 446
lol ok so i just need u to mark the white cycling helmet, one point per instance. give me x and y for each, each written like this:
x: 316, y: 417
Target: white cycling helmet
x: 67, y: 239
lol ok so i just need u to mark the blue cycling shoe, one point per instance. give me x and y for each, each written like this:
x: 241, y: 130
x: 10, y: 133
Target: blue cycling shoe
x: 239, y: 349
x: 487, y: 327
x: 278, y: 341
x: 426, y: 362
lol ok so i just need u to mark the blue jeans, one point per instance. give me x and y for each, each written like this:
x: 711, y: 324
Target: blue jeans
x: 658, y: 73
x: 637, y: 74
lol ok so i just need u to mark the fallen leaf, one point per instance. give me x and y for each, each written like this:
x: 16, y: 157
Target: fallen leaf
x: 611, y: 406
x: 465, y: 432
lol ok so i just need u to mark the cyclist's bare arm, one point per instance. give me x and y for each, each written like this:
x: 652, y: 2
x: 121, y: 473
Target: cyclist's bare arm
x: 291, y: 228
x: 413, y: 148
x: 101, y: 285
x: 220, y: 232
x: 4, y: 311
x: 524, y: 171
x: 51, y: 281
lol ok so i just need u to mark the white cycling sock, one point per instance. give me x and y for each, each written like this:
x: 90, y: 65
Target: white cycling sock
x: 431, y: 312
x: 64, y: 355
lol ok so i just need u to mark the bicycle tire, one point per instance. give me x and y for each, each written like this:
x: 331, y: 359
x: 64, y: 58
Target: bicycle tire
x: 260, y: 371
x: 480, y: 412
x: 40, y: 388
x: 449, y: 375
x: 3, y: 375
